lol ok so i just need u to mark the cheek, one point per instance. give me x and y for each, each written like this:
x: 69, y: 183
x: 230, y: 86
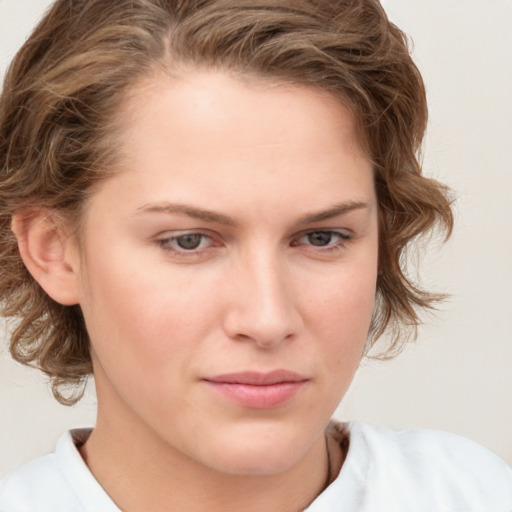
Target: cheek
x: 145, y: 314
x: 344, y: 298
x: 136, y: 311
x: 339, y: 311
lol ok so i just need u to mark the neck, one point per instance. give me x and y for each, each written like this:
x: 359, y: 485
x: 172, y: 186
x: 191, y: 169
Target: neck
x: 140, y: 471
x: 171, y: 481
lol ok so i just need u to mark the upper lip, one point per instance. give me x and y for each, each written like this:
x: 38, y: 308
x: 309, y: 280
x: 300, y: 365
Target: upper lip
x: 258, y: 378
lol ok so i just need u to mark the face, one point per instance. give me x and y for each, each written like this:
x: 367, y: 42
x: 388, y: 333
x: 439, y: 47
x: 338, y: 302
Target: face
x: 229, y: 270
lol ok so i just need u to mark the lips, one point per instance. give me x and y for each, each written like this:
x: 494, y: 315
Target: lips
x: 257, y: 390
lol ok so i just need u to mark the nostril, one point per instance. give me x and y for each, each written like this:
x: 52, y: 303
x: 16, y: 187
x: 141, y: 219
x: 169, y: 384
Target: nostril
x: 271, y: 342
x: 263, y: 333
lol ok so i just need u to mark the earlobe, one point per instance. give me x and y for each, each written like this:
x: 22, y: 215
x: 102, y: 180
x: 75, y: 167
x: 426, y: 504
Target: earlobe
x: 48, y: 254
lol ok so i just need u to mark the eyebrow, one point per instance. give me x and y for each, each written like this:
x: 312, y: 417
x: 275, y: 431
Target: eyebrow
x: 335, y: 211
x: 215, y: 217
x: 190, y: 211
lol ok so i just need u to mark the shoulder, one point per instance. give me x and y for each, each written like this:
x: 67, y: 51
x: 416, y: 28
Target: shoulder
x: 438, y: 466
x: 422, y: 470
x: 32, y: 485
x: 424, y: 447
x: 58, y: 482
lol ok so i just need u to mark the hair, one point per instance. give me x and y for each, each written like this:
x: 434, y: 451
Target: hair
x: 68, y: 82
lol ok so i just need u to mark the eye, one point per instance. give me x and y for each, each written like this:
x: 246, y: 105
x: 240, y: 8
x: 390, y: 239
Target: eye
x: 325, y: 239
x: 185, y: 243
x: 320, y: 238
x: 189, y: 242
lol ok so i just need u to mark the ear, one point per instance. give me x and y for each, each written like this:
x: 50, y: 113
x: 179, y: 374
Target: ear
x: 49, y: 253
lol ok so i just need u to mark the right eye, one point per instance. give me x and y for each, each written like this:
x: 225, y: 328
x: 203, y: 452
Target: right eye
x: 185, y: 243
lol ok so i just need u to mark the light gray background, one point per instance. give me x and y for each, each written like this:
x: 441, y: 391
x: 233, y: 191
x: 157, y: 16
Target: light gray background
x: 458, y: 376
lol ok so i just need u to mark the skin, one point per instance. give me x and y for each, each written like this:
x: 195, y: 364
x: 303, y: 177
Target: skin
x: 271, y: 285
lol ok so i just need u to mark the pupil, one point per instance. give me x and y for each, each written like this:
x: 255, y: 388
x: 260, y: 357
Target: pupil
x: 320, y: 238
x: 189, y: 241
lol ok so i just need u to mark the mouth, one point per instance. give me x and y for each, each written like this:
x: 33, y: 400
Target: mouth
x: 256, y: 390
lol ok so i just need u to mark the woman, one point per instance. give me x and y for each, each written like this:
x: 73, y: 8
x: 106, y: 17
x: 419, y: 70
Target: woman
x: 205, y: 205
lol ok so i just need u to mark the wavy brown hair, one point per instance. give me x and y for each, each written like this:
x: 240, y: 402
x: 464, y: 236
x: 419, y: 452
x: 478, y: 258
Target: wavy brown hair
x: 69, y: 80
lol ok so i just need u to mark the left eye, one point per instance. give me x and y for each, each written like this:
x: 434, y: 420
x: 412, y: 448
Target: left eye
x: 323, y: 238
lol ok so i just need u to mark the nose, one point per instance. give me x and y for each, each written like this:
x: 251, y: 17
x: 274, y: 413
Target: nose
x: 262, y: 306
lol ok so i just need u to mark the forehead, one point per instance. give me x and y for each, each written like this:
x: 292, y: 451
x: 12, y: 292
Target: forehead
x: 204, y: 103
x: 211, y: 135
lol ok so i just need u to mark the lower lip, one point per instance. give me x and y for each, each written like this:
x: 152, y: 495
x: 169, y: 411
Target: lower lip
x: 258, y: 397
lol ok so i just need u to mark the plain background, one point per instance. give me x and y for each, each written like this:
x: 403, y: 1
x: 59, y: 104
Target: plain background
x: 457, y: 376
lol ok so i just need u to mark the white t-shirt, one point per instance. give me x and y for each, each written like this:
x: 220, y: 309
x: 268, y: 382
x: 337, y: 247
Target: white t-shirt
x: 384, y: 471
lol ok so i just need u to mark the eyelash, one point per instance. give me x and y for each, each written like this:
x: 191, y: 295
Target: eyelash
x: 343, y: 240
x: 167, y: 244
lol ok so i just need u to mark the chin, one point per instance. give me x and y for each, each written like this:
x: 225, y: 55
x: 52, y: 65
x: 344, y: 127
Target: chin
x: 255, y: 464
x: 258, y: 452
